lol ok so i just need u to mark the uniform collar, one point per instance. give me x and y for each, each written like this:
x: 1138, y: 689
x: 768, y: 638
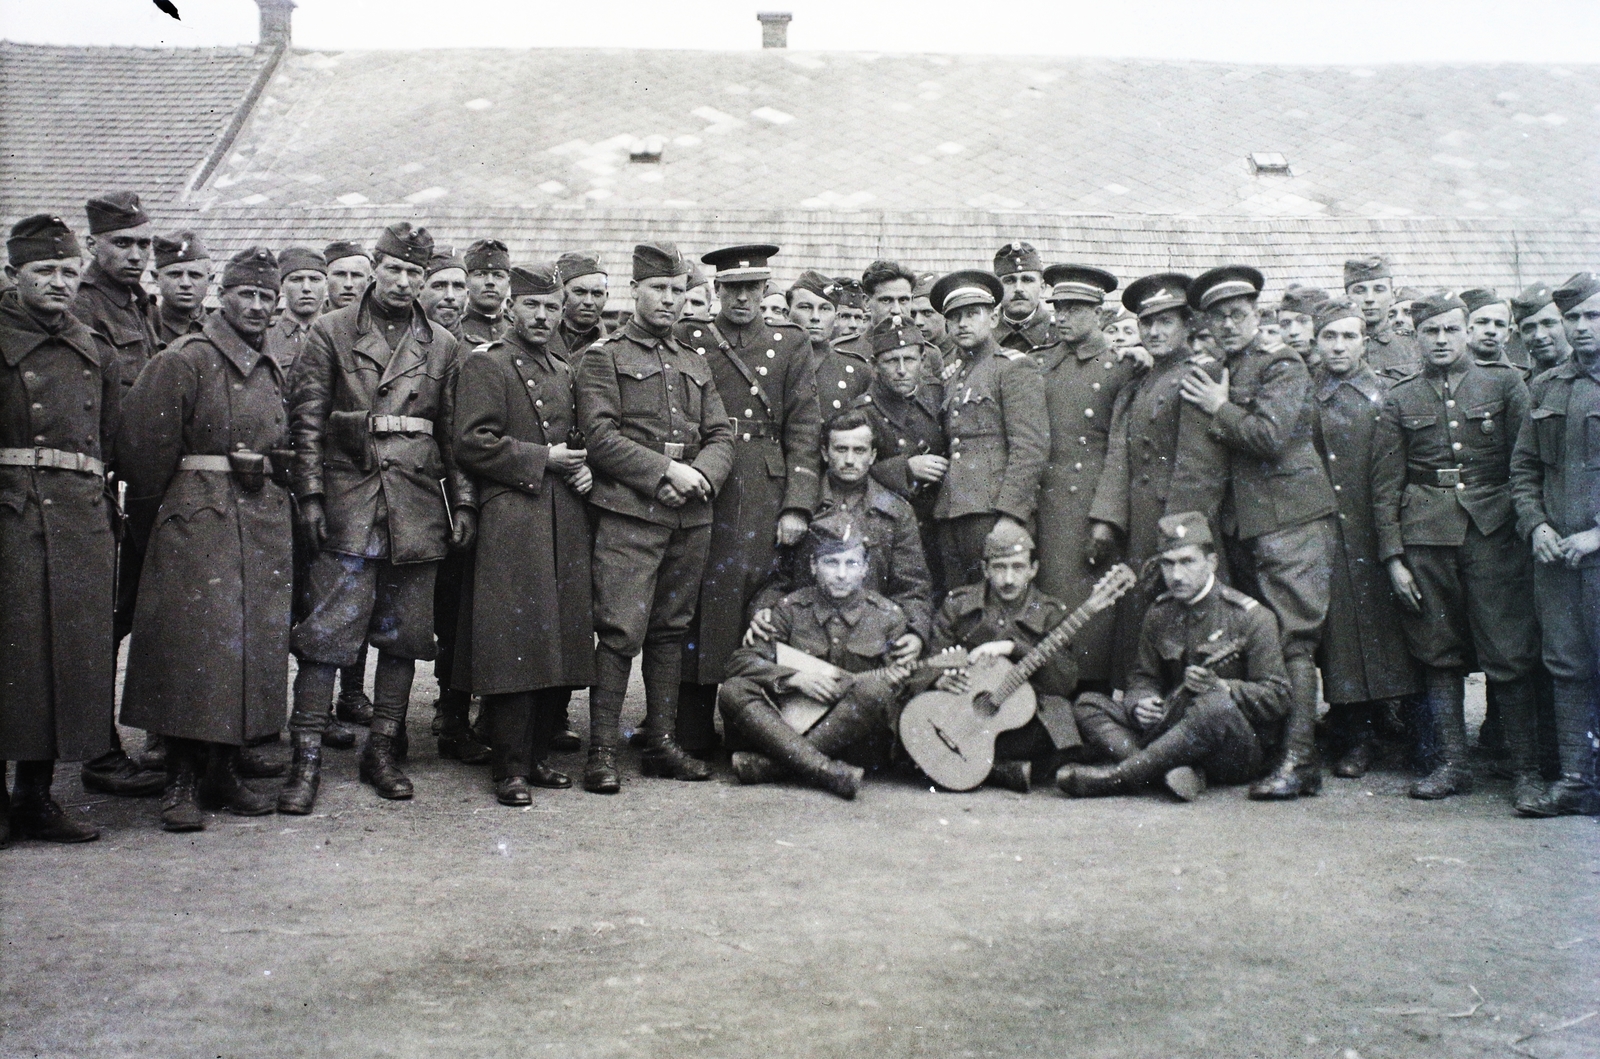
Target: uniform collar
x: 877, y: 497
x: 850, y: 608
x: 119, y: 294
x: 512, y: 338
x: 1029, y: 611
x: 290, y: 325
x: 636, y: 331
x: 1039, y: 329
x: 893, y: 404
x: 1363, y: 380
x: 21, y: 334
x: 232, y: 345
x: 421, y: 328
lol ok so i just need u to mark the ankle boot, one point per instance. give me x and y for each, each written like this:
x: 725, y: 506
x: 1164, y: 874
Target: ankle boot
x: 224, y: 786
x: 1446, y: 694
x: 1012, y: 776
x: 299, y: 794
x: 662, y: 755
x: 353, y: 706
x: 255, y: 765
x: 600, y: 775
x: 114, y: 772
x: 456, y: 739
x: 180, y: 809
x: 1519, y: 720
x: 380, y: 766
x: 34, y: 814
x: 1299, y: 771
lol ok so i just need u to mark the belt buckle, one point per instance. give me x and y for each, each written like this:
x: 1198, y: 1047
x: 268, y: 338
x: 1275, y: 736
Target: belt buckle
x: 1448, y: 477
x: 673, y: 450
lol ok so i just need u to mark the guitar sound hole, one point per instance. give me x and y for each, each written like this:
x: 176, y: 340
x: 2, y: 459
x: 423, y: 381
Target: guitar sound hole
x: 984, y: 703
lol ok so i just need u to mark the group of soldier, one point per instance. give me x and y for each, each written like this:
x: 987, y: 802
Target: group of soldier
x: 1356, y: 498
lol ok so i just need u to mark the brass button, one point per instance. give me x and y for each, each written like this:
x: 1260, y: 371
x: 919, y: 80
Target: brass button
x: 772, y: 352
x: 1456, y: 445
x: 748, y: 413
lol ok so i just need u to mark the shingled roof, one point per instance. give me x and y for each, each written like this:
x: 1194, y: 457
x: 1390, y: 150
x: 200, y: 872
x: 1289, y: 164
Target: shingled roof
x: 78, y: 121
x: 792, y: 130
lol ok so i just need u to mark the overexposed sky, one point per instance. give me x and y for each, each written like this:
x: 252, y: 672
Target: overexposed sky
x: 1253, y: 31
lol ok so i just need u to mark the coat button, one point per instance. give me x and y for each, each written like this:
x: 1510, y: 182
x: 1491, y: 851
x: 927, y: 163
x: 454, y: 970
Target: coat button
x: 1338, y: 489
x: 1077, y: 466
x: 1454, y: 423
x: 1095, y: 385
x: 48, y: 501
x: 772, y: 353
x: 1072, y: 489
x: 1332, y: 456
x: 756, y: 389
x: 1461, y: 485
x: 530, y: 383
x: 762, y: 370
x: 30, y: 376
x: 1450, y: 404
x: 519, y: 363
x: 1088, y: 413
x: 1456, y: 445
x: 1083, y: 440
x: 39, y: 438
x: 538, y: 404
x: 88, y: 406
x: 848, y: 370
x: 383, y: 389
x: 385, y: 465
x: 837, y: 403
x: 748, y: 412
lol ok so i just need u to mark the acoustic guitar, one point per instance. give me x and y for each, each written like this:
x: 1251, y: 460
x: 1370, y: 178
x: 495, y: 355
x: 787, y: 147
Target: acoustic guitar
x: 950, y: 735
x: 800, y: 712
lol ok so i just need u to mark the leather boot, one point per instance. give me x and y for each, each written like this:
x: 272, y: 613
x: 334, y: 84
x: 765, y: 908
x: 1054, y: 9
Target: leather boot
x: 1353, y: 726
x: 1011, y: 776
x: 456, y: 740
x: 1519, y: 720
x: 752, y: 769
x: 1575, y: 718
x: 224, y: 786
x: 789, y: 752
x: 600, y: 775
x: 255, y: 765
x: 696, y: 728
x: 1299, y: 771
x: 380, y: 766
x: 1105, y: 737
x: 114, y: 772
x: 1172, y: 752
x: 154, y: 755
x: 337, y: 735
x: 299, y: 794
x: 1570, y: 795
x: 352, y: 705
x: 180, y: 809
x: 851, y: 720
x: 34, y: 814
x: 1453, y: 775
x: 662, y: 755
x: 563, y: 739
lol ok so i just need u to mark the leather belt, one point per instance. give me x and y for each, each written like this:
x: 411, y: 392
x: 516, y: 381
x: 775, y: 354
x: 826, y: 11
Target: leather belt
x: 400, y: 425
x: 219, y: 464
x: 52, y: 460
x: 752, y: 428
x: 1450, y: 477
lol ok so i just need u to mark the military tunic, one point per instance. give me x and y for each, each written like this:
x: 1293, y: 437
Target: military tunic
x: 59, y: 391
x: 764, y: 377
x: 168, y: 330
x: 209, y: 658
x: 1441, y: 498
x: 1363, y: 656
x: 121, y: 316
x: 903, y: 427
x: 286, y: 339
x: 569, y: 344
x: 475, y: 329
x: 843, y: 373
x: 1033, y: 335
x: 1392, y: 354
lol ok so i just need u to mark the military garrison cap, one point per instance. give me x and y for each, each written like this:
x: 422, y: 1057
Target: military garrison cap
x: 1575, y: 291
x: 847, y: 293
x: 1157, y: 293
x: 969, y: 286
x: 301, y: 258
x: 653, y: 260
x: 834, y: 532
x: 575, y: 263
x: 114, y: 211
x: 343, y: 248
x: 443, y: 257
x: 1435, y: 304
x: 1189, y: 527
x: 1531, y: 300
x: 179, y: 246
x: 742, y: 264
x: 894, y: 332
x: 924, y: 284
x: 1302, y: 300
x: 1365, y: 269
x: 487, y: 255
x: 1005, y: 540
x: 1017, y: 257
x: 1478, y: 297
x: 251, y: 267
x: 534, y: 279
x: 814, y: 282
x: 696, y: 278
x: 1334, y: 310
x: 1079, y: 283
x: 1220, y: 284
x: 407, y: 242
x: 42, y: 237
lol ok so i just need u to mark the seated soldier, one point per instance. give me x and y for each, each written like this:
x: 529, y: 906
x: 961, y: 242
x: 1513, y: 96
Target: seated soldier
x: 1208, y: 692
x: 1006, y: 615
x: 835, y: 619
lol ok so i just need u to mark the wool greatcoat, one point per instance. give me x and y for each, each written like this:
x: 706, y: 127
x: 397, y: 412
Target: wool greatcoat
x: 1080, y: 387
x: 210, y: 652
x: 59, y: 389
x: 1363, y: 655
x: 527, y: 620
x: 764, y: 376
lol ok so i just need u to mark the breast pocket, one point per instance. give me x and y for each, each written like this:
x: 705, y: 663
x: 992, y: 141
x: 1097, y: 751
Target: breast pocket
x: 1486, y: 427
x: 1591, y: 441
x: 693, y: 392
x: 639, y: 386
x: 1550, y: 428
x: 977, y: 416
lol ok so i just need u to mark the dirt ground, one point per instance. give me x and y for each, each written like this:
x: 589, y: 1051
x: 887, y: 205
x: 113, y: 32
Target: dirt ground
x: 711, y: 920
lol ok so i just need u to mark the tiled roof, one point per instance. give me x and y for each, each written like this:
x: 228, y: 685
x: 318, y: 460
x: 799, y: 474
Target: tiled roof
x: 839, y: 131
x: 78, y: 121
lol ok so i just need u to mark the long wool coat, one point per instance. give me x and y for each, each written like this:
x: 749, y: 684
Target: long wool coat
x: 210, y: 651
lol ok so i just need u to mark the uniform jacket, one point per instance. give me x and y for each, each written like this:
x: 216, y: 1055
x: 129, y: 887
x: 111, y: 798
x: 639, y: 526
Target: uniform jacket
x: 1176, y: 636
x: 382, y: 492
x: 1363, y: 655
x: 1555, y: 469
x: 569, y: 344
x: 1469, y: 433
x: 994, y: 415
x: 121, y: 317
x: 843, y: 372
x: 1036, y: 333
x: 286, y: 338
x: 855, y: 634
x: 903, y: 427
x: 1391, y: 354
x: 477, y: 329
x: 60, y: 390
x: 167, y: 332
x: 527, y: 618
x: 896, y: 566
x: 637, y: 393
x: 1275, y: 478
x: 764, y: 377
x: 209, y: 657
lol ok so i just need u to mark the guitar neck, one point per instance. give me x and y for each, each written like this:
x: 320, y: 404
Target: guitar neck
x: 1041, y: 653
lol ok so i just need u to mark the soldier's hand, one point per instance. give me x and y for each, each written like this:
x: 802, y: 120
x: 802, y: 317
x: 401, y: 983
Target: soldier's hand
x: 897, y: 673
x: 818, y: 686
x: 582, y: 480
x: 563, y: 460
x: 687, y: 481
x: 315, y: 519
x: 669, y: 496
x: 1576, y: 547
x: 1102, y: 546
x: 1405, y: 586
x: 1547, y: 544
x: 761, y: 627
x: 907, y: 648
x: 928, y: 467
x: 466, y: 530
x: 1148, y: 712
x: 791, y: 527
x: 1204, y: 392
x: 997, y: 648
x: 1199, y: 680
x: 1138, y: 354
x: 954, y: 681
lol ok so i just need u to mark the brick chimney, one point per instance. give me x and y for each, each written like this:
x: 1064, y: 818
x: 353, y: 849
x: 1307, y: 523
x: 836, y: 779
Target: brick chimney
x: 774, y: 28
x: 276, y: 16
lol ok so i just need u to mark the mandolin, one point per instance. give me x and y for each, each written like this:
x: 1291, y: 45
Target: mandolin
x: 1177, y: 703
x: 951, y: 735
x: 801, y: 712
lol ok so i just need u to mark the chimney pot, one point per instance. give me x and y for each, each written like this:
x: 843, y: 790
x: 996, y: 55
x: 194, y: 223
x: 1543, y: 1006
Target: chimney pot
x: 774, y: 28
x: 276, y: 19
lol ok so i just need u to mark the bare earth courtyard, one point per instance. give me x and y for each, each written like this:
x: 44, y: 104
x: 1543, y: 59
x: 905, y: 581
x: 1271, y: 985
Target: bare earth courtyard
x: 709, y: 920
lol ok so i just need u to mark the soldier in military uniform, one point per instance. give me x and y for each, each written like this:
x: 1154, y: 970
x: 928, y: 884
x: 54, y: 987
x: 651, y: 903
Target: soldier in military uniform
x: 204, y: 431
x: 1008, y: 614
x: 1082, y: 378
x: 902, y: 408
x: 1362, y: 655
x: 304, y: 280
x: 349, y: 272
x: 1369, y: 283
x: 444, y: 289
x: 585, y: 291
x: 1555, y: 477
x: 373, y: 422
x: 1026, y: 323
x: 183, y: 277
x: 697, y: 300
x: 1446, y: 529
x: 930, y: 323
x: 1208, y: 695
x: 113, y: 302
x: 850, y: 318
x: 527, y: 635
x: 1277, y: 516
x: 660, y: 447
x: 1160, y: 456
x: 841, y: 374
x: 488, y: 275
x: 838, y: 620
x: 60, y: 388
x: 1296, y: 315
x: 1539, y: 324
x: 1488, y: 325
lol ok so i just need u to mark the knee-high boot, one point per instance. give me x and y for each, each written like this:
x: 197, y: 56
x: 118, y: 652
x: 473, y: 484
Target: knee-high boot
x: 1299, y: 770
x: 1519, y: 731
x: 663, y: 662
x: 1453, y: 775
x: 600, y: 775
x: 791, y: 752
x: 380, y: 761
x: 1169, y: 752
x: 1105, y: 736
